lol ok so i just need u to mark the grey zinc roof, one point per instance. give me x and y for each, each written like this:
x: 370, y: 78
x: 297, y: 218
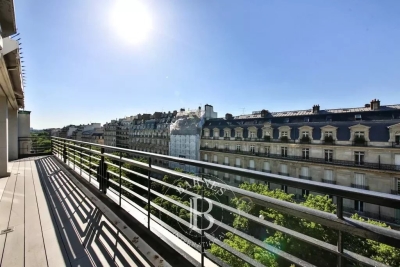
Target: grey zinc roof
x: 326, y: 111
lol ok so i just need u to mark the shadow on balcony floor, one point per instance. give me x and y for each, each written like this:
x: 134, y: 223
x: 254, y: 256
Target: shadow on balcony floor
x: 86, y: 235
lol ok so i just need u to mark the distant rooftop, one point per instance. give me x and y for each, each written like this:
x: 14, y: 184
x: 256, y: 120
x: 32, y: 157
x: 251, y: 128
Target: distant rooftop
x: 310, y: 112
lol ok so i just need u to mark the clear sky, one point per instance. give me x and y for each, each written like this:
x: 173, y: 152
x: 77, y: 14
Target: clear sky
x: 233, y: 54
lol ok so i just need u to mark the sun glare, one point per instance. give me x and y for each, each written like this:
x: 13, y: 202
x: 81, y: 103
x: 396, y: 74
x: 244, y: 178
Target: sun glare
x: 131, y: 20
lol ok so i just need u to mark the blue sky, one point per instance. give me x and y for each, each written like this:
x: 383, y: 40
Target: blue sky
x: 233, y: 54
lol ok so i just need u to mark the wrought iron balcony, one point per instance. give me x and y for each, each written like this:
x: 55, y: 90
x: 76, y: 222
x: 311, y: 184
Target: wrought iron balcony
x: 328, y: 181
x: 349, y: 163
x: 395, y: 192
x: 305, y: 177
x: 90, y: 166
x: 365, y: 187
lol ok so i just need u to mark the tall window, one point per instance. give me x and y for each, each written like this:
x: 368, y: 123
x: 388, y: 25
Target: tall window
x: 226, y: 147
x: 266, y: 150
x: 284, y: 169
x: 206, y: 145
x: 305, y: 172
x: 238, y: 162
x: 328, y: 155
x: 359, y: 180
x: 238, y: 134
x: 205, y: 157
x: 226, y: 160
x: 328, y: 175
x: 251, y: 164
x: 215, y: 158
x: 306, y: 153
x: 226, y: 176
x: 226, y: 134
x: 359, y: 158
x: 284, y: 152
x: 238, y: 179
x: 304, y: 193
x: 252, y: 149
x: 267, y: 167
x: 358, y: 206
x: 237, y: 147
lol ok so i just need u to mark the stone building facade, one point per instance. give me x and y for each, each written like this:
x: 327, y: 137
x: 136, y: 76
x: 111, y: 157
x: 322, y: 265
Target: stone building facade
x: 355, y: 147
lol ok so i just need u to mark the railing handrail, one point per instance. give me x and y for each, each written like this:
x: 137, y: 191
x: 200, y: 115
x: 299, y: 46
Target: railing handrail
x: 372, y: 197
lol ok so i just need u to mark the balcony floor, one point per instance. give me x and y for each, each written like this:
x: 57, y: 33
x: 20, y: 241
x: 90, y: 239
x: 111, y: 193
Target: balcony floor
x: 53, y: 223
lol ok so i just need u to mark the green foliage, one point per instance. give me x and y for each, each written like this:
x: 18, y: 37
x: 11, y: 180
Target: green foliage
x: 372, y: 249
x: 368, y: 248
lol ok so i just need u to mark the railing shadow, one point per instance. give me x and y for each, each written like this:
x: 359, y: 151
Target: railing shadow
x: 88, y: 238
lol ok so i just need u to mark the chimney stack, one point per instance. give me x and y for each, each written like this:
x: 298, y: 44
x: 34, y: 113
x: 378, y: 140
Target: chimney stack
x: 375, y: 104
x: 264, y: 113
x: 315, y: 109
x: 228, y: 116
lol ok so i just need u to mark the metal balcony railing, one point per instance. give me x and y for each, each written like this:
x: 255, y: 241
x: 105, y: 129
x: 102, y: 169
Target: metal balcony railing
x: 106, y: 169
x: 365, y: 187
x: 349, y: 163
x: 34, y: 145
x: 305, y: 177
x: 328, y: 181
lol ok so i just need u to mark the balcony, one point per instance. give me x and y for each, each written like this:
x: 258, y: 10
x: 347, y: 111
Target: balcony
x: 348, y: 163
x: 394, y: 192
x: 364, y: 187
x: 305, y: 177
x: 328, y: 181
x: 251, y: 168
x: 111, y: 214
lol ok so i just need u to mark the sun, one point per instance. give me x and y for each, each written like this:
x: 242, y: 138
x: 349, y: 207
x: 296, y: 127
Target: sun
x: 131, y: 20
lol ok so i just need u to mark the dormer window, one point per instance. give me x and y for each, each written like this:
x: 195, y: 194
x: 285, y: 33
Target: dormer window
x: 357, y: 117
x: 252, y: 135
x: 329, y: 118
x: 305, y: 134
x: 306, y: 119
x: 238, y: 134
x: 359, y: 134
x: 286, y: 120
x: 284, y: 133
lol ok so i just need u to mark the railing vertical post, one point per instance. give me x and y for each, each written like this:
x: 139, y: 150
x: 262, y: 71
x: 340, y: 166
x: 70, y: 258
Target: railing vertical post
x: 90, y: 163
x: 51, y: 145
x: 202, y: 222
x: 80, y: 158
x: 339, y: 213
x: 74, y: 156
x: 148, y: 195
x: 102, y: 171
x: 120, y: 179
x: 65, y: 152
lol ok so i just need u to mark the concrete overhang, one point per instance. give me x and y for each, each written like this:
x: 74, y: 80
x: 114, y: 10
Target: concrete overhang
x: 11, y: 74
x: 7, y: 18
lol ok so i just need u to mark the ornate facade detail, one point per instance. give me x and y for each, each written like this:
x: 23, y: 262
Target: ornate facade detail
x: 359, y: 129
